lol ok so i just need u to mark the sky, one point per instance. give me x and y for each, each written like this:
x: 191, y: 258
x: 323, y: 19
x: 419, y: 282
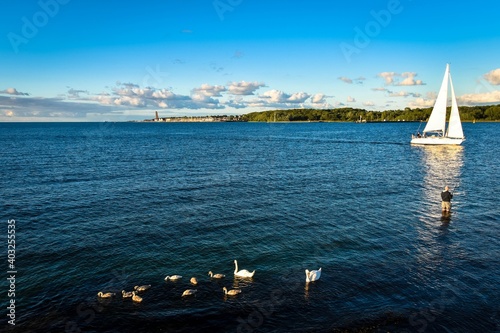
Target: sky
x: 75, y: 60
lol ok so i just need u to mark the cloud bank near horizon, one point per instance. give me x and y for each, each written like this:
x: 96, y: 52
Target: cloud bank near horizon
x: 133, y: 100
x: 78, y: 103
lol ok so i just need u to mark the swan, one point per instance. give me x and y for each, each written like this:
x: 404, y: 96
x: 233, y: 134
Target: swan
x: 194, y: 281
x: 189, y: 292
x: 127, y: 294
x: 136, y: 298
x: 231, y: 292
x: 142, y: 288
x: 173, y: 277
x: 216, y: 276
x: 243, y: 272
x: 105, y: 295
x: 313, y: 275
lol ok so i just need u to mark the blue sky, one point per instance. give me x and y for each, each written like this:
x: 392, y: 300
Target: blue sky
x: 75, y: 60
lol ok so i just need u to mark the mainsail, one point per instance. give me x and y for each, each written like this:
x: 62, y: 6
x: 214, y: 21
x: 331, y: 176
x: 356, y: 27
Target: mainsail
x: 437, y: 120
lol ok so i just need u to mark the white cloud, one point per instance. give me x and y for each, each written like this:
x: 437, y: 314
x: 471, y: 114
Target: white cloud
x: 410, y: 80
x: 73, y: 93
x: 480, y: 98
x: 368, y: 103
x: 299, y: 97
x: 275, y: 96
x: 13, y: 91
x: 421, y: 103
x: 493, y: 76
x: 278, y: 96
x: 133, y: 95
x: 358, y: 80
x: 318, y: 99
x: 163, y: 94
x: 8, y: 112
x: 127, y: 85
x: 209, y: 90
x: 393, y: 79
x: 244, y: 88
x: 402, y: 94
x: 236, y: 103
x: 350, y: 99
x: 345, y: 79
x: 48, y: 108
x: 388, y: 77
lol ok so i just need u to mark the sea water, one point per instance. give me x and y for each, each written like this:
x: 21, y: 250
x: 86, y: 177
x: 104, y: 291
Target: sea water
x: 107, y: 206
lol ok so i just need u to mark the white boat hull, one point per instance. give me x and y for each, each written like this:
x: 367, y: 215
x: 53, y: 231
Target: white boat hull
x: 436, y: 140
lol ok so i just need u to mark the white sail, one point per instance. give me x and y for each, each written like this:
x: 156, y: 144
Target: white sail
x: 455, y: 125
x: 434, y: 131
x: 437, y: 120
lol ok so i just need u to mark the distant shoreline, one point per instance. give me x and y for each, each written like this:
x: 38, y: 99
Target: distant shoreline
x: 293, y: 121
x: 483, y: 113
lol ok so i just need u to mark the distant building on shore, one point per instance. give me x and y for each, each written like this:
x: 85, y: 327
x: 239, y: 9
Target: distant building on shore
x: 193, y: 119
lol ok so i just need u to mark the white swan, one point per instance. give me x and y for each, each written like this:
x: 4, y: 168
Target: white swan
x: 173, y: 277
x: 243, y: 272
x: 189, y: 292
x: 105, y: 295
x: 127, y: 294
x: 313, y: 275
x: 136, y: 298
x: 231, y: 292
x: 216, y: 276
x: 142, y: 288
x: 194, y: 281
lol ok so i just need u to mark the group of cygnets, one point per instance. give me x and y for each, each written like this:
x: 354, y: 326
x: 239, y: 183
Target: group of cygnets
x: 134, y: 294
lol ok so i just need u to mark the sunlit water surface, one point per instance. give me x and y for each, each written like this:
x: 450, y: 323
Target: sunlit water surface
x: 105, y: 207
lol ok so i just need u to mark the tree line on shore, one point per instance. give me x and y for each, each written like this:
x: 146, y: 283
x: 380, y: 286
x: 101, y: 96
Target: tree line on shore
x: 467, y: 113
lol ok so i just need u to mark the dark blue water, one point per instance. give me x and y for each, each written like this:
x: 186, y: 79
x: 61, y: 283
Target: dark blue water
x: 105, y: 207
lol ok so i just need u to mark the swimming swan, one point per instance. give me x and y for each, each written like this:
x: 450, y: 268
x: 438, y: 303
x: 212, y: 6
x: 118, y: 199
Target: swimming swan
x: 189, y: 292
x: 313, y: 275
x: 136, y: 298
x: 216, y: 276
x: 142, y: 288
x: 127, y: 294
x: 194, y: 281
x: 173, y: 277
x: 105, y: 295
x: 243, y: 272
x: 231, y: 292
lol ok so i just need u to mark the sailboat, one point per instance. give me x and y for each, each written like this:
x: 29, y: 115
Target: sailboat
x: 435, y: 132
